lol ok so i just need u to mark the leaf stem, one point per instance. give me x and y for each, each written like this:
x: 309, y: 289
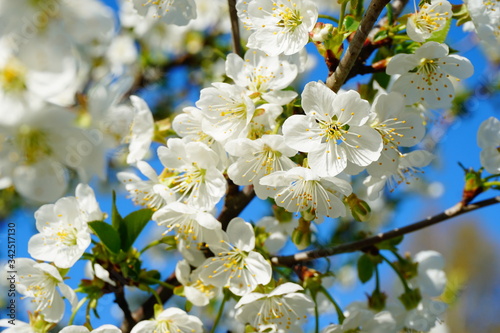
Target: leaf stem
x: 401, y: 277
x: 328, y: 17
x: 340, y: 314
x: 77, y: 308
x: 221, y: 311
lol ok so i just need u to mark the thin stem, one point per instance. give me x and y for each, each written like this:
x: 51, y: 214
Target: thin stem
x: 235, y: 29
x: 150, y: 245
x: 77, y: 308
x: 377, y: 279
x: 328, y: 17
x: 456, y: 210
x: 342, y: 15
x: 340, y: 314
x: 316, y: 315
x: 123, y: 304
x: 491, y: 176
x: 221, y: 311
x: 155, y: 294
x: 338, y: 78
x: 494, y: 183
x: 401, y: 277
x: 160, y: 282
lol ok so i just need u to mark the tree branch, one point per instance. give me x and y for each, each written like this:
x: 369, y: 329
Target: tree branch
x: 122, y: 302
x: 233, y: 14
x: 236, y: 201
x: 336, y: 80
x: 146, y: 310
x: 456, y: 210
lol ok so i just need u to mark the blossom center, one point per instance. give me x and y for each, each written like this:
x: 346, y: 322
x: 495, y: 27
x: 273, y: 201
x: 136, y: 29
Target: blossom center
x: 429, y: 68
x: 13, y: 76
x: 33, y: 142
x: 290, y: 18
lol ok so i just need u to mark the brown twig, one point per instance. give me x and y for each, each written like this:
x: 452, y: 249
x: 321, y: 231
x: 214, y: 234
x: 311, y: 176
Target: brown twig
x: 235, y: 28
x: 338, y: 78
x: 236, y: 201
x: 122, y: 303
x: 456, y: 210
x: 146, y: 310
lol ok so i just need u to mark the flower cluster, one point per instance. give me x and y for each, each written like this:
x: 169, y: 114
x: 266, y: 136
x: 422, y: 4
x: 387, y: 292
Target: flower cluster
x: 71, y: 111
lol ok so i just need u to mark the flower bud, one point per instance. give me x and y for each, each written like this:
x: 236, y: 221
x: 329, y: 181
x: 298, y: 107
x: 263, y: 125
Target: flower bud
x: 321, y: 32
x: 301, y: 236
x: 360, y: 210
x: 410, y: 298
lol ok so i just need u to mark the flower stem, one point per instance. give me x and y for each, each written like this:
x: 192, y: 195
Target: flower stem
x: 340, y: 314
x: 221, y: 310
x: 342, y: 15
x: 160, y: 282
x: 150, y: 245
x: 401, y: 277
x: 77, y: 308
x: 328, y: 17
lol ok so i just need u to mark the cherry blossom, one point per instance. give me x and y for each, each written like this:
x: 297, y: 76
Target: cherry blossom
x: 282, y: 310
x: 178, y: 12
x: 279, y: 26
x: 39, y: 282
x: 334, y: 130
x: 170, y: 320
x: 300, y: 189
x: 236, y: 265
x: 432, y: 17
x: 426, y: 75
x: 258, y: 158
x: 488, y: 138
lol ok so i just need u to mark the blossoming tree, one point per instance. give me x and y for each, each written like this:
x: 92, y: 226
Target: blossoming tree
x: 77, y: 85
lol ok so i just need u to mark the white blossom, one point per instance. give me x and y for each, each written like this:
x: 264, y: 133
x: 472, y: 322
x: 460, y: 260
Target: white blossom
x: 263, y: 76
x: 426, y: 75
x: 194, y: 174
x: 64, y: 235
x: 227, y: 110
x: 83, y: 329
x: 280, y: 26
x: 195, y: 290
x: 170, y: 320
x: 282, y: 310
x: 178, y: 12
x: 430, y: 18
x: 235, y: 265
x: 258, y: 158
x: 153, y: 193
x: 39, y: 282
x: 300, y: 189
x: 334, y: 130
x: 488, y: 139
x: 141, y: 130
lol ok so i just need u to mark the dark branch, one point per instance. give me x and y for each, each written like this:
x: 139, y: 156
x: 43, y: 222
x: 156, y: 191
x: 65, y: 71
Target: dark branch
x: 235, y: 28
x: 336, y: 80
x: 236, y: 201
x: 146, y: 310
x: 122, y: 303
x: 456, y: 210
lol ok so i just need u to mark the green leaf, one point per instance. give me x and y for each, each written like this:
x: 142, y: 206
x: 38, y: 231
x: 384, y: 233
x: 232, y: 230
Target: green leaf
x: 350, y: 24
x: 382, y: 79
x: 116, y: 218
x: 440, y: 36
x: 132, y: 225
x: 366, y: 268
x: 390, y: 244
x: 107, y: 234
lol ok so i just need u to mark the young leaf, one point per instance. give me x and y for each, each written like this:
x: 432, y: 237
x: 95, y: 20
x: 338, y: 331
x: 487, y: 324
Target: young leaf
x: 365, y: 268
x: 107, y: 234
x: 132, y: 225
x: 116, y: 218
